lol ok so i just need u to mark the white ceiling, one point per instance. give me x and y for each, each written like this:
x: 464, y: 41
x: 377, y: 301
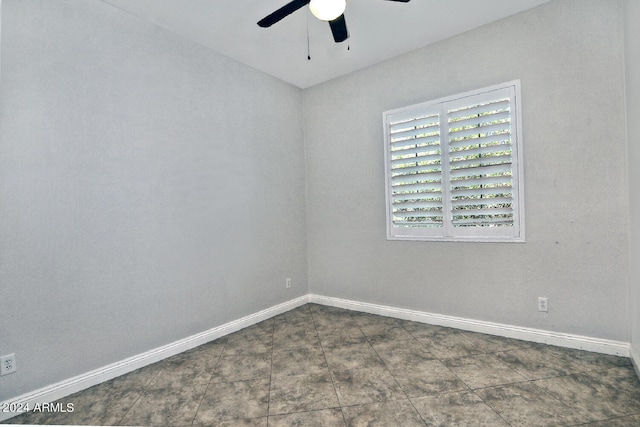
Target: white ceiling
x: 378, y: 30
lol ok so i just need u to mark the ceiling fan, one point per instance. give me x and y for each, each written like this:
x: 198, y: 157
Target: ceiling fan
x: 331, y: 11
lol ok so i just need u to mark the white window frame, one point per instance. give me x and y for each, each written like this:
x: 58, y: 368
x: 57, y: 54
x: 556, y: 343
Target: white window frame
x: 444, y: 227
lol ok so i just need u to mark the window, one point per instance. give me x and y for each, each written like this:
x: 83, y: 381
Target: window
x: 453, y: 168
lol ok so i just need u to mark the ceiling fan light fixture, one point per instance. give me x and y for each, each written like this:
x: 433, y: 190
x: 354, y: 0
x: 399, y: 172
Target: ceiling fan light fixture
x: 327, y: 10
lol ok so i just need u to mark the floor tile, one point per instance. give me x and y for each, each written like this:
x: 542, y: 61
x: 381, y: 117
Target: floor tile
x: 424, y: 330
x: 576, y: 361
x: 166, y: 407
x: 244, y: 422
x: 209, y: 352
x: 402, y: 353
x: 595, y: 400
x: 351, y: 356
x: 333, y: 319
x: 623, y: 378
x: 630, y: 421
x: 366, y: 385
x: 384, y: 333
x: 301, y: 393
x: 372, y: 325
x: 319, y: 309
x: 483, y: 370
x: 299, y: 361
x: 448, y: 345
x: 291, y: 336
x: 248, y: 344
x: 456, y: 410
x: 104, y: 404
x: 427, y: 377
x: 367, y: 319
x: 30, y: 418
x: 242, y: 367
x: 533, y: 363
x: 138, y: 378
x: 98, y: 405
x: 332, y: 336
x: 322, y: 418
x: 383, y: 414
x: 294, y: 327
x: 301, y: 315
x: 491, y: 343
x: 181, y: 372
x: 235, y: 400
x: 261, y: 330
x: 526, y: 405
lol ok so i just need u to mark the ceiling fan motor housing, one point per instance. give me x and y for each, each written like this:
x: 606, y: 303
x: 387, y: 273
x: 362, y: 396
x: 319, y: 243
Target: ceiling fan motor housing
x: 327, y: 10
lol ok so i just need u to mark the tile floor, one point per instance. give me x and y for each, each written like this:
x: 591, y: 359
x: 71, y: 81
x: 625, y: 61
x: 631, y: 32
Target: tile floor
x: 323, y: 366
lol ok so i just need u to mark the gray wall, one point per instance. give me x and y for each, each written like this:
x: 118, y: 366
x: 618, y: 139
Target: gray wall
x: 150, y: 189
x: 632, y: 57
x: 569, y: 56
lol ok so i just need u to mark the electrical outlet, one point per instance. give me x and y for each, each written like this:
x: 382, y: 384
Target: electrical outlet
x: 543, y: 304
x: 8, y: 364
x: 287, y: 283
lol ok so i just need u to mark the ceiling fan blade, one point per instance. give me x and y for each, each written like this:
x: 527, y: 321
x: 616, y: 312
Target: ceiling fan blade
x: 401, y: 1
x: 339, y: 29
x: 283, y: 12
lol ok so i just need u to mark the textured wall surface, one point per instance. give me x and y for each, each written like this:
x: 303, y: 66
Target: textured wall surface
x: 150, y: 189
x: 569, y: 56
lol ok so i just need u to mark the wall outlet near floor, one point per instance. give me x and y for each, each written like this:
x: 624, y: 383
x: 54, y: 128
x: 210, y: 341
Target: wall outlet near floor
x: 543, y: 304
x: 287, y: 283
x: 8, y: 364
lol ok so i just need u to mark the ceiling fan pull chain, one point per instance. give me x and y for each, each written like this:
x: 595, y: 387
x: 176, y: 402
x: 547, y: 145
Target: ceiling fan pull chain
x: 349, y: 42
x: 308, y: 48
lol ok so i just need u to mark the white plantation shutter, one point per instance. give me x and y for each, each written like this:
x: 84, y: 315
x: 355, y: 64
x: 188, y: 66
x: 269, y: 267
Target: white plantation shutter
x: 452, y: 168
x: 416, y: 171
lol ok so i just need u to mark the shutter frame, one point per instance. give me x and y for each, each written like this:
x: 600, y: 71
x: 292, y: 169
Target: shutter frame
x: 492, y: 224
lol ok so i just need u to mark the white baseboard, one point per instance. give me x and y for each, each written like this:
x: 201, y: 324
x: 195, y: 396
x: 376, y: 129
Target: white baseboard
x: 596, y: 345
x: 89, y: 379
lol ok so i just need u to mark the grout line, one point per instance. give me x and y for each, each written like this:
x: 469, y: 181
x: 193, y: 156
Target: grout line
x: 423, y: 345
x: 273, y: 329
x: 492, y: 408
x: 315, y: 325
x: 389, y: 370
x: 195, y: 415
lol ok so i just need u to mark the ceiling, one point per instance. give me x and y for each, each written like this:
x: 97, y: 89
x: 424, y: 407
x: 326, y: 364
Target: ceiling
x: 378, y: 30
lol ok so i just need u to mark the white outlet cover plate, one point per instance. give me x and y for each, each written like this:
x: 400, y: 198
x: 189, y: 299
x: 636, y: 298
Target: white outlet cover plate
x: 543, y: 304
x: 4, y: 369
